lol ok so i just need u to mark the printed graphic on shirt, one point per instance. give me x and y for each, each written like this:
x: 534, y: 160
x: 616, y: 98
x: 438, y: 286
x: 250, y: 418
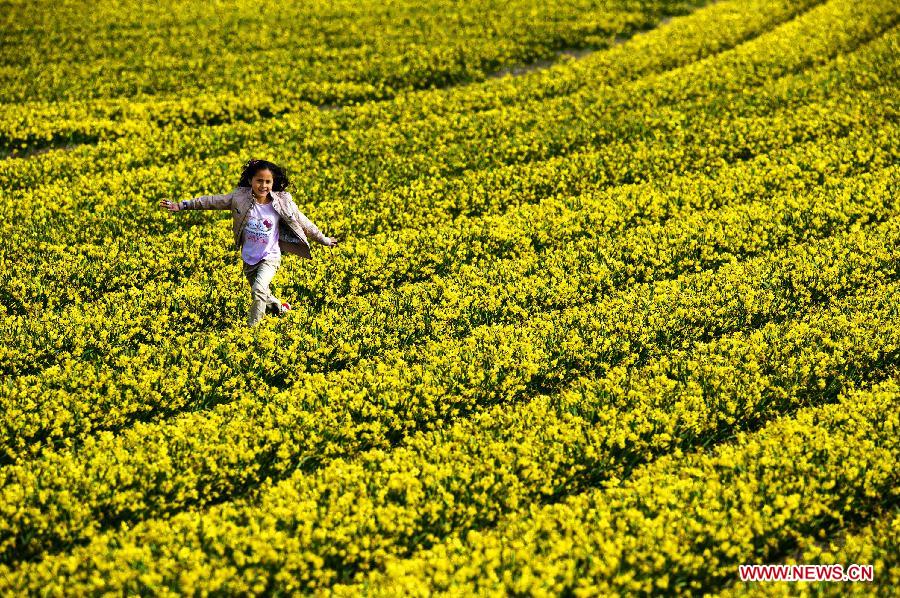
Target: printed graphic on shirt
x: 259, y: 230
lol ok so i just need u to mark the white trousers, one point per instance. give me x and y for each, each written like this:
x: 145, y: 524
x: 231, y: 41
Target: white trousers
x: 259, y: 277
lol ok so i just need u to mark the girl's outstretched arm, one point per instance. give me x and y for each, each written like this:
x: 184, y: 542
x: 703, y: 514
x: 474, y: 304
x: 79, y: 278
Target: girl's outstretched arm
x: 204, y: 202
x: 312, y: 231
x: 209, y: 202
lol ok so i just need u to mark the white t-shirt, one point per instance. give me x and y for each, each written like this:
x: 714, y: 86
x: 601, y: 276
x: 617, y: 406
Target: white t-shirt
x: 260, y: 234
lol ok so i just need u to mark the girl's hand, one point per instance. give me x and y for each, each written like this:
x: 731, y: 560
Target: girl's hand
x: 172, y: 206
x: 334, y: 241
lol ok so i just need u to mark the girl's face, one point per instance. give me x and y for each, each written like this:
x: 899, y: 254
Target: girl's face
x: 262, y: 183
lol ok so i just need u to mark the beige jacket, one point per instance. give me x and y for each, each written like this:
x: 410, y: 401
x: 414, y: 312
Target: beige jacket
x: 293, y: 228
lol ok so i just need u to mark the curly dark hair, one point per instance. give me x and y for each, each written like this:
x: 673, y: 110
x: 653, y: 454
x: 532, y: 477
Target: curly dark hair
x: 280, y: 180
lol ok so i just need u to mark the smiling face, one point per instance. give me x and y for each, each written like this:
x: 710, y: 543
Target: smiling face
x: 261, y: 183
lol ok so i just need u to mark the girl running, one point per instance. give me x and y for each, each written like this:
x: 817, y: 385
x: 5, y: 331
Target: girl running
x: 265, y: 223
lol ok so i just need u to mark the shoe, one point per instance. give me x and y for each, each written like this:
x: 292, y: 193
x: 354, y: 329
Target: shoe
x: 285, y: 307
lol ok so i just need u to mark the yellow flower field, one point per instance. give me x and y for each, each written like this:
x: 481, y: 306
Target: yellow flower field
x: 616, y: 308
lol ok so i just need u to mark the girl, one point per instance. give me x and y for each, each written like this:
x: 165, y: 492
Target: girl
x: 265, y: 223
